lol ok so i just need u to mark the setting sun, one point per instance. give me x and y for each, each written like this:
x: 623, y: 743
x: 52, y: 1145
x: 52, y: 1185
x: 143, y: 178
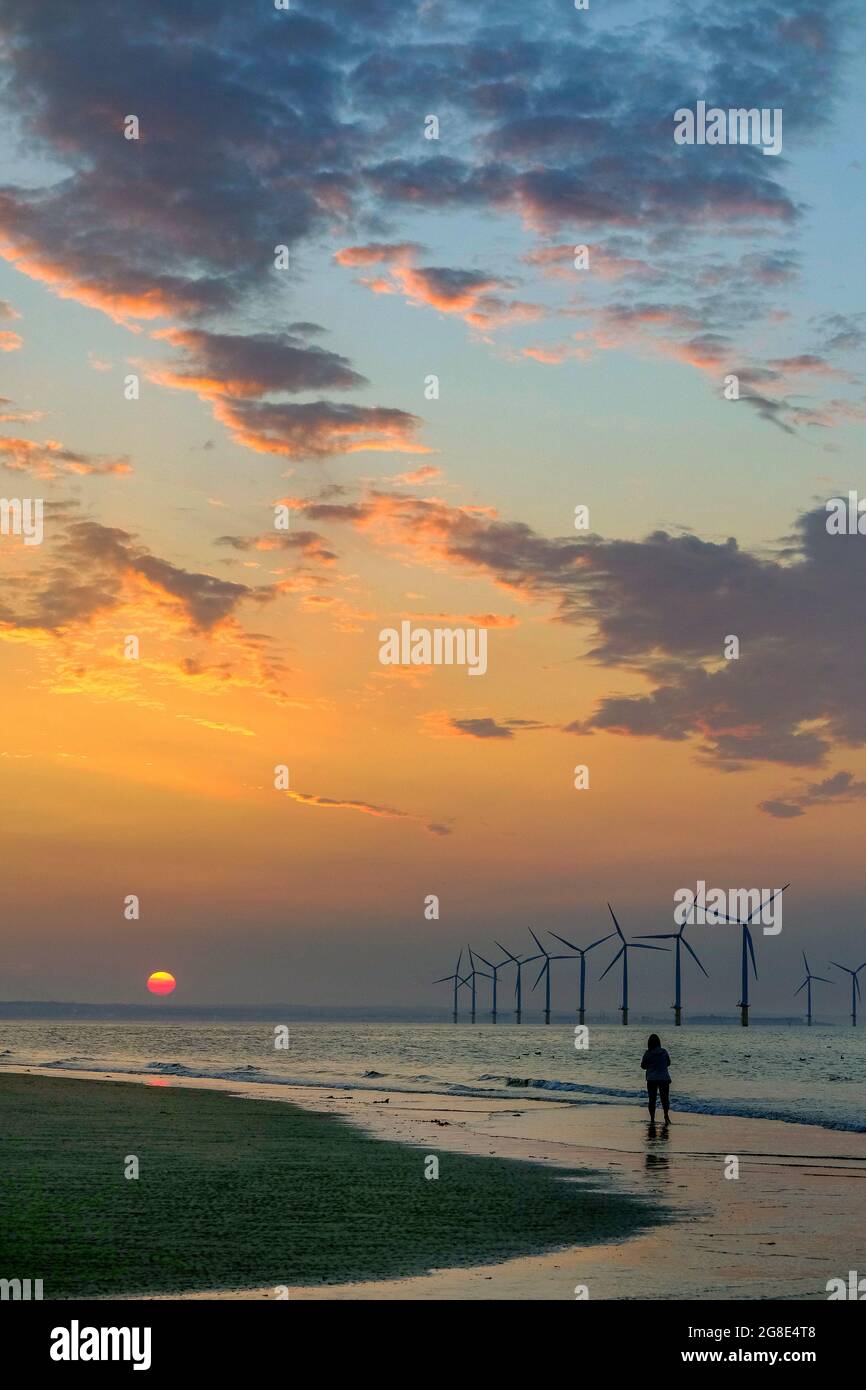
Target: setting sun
x: 161, y: 982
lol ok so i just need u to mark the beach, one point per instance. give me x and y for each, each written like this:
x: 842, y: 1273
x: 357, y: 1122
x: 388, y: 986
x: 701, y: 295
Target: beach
x: 789, y: 1222
x: 115, y: 1187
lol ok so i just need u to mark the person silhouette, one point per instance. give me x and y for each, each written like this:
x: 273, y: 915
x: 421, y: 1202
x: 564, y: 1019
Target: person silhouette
x: 656, y: 1063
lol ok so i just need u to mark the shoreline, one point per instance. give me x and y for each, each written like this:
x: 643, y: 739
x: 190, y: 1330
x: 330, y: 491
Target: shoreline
x: 523, y: 1091
x: 780, y: 1230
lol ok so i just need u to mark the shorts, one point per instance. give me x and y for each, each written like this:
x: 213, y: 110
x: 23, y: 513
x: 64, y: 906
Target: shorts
x: 664, y: 1088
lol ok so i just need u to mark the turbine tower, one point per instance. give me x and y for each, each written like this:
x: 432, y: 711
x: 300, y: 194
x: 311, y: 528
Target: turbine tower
x: 623, y: 951
x: 545, y: 971
x: 748, y: 950
x: 582, y: 952
x: 855, y: 987
x: 807, y: 986
x: 458, y: 981
x: 494, y: 976
x: 679, y: 938
x: 473, y: 975
x: 518, y: 984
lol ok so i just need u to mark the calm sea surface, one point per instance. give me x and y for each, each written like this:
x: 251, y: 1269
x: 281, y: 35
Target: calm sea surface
x: 816, y: 1075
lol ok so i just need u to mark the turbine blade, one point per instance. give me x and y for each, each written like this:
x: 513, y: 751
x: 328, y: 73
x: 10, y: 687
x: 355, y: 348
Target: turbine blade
x: 805, y: 962
x: 656, y: 936
x: 502, y: 948
x: 638, y: 947
x: 803, y: 986
x: 751, y: 950
x: 693, y: 955
x: 775, y: 894
x: 613, y: 962
x: 485, y: 961
x: 536, y: 940
x: 615, y: 922
x: 821, y: 978
x: 600, y: 941
x: 540, y: 974
x: 564, y: 942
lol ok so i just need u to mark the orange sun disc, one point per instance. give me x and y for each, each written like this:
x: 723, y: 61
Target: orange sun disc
x: 161, y: 982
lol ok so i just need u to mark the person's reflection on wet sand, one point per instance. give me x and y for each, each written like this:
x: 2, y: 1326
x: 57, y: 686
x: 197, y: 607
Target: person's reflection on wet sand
x: 656, y: 1156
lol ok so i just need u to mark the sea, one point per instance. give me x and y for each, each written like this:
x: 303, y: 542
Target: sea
x: 785, y: 1072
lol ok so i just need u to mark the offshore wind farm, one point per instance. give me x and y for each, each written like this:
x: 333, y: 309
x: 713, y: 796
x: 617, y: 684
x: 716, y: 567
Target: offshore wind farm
x: 579, y: 954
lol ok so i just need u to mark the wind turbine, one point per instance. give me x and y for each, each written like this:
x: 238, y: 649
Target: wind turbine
x: 679, y: 938
x: 582, y: 952
x: 458, y: 981
x: 473, y: 974
x: 623, y: 951
x: 748, y: 950
x: 855, y: 987
x: 545, y: 971
x: 807, y: 986
x: 494, y: 976
x: 518, y: 986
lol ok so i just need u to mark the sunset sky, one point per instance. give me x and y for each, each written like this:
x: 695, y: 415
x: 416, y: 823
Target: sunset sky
x: 558, y: 387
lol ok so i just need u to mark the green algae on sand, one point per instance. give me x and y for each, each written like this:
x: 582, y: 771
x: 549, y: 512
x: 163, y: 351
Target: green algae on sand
x: 236, y: 1193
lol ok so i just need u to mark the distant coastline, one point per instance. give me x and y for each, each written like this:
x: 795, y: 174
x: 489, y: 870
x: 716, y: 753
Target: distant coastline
x: 23, y: 1009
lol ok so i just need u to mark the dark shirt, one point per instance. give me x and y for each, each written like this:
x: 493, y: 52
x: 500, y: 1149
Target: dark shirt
x: 655, y: 1063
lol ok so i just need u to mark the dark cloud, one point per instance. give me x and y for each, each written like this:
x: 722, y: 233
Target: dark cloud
x: 310, y: 545
x: 842, y: 332
x: 241, y: 147
x: 772, y: 268
x: 450, y: 289
x: 317, y: 429
x: 261, y: 128
x: 366, y: 808
x: 50, y: 458
x: 662, y: 609
x: 840, y: 789
x: 84, y: 576
x: 253, y: 364
x: 481, y: 728
x: 782, y: 810
x: 665, y: 606
x: 484, y: 728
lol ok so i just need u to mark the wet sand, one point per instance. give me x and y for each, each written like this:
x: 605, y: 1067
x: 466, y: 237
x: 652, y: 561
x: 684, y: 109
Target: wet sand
x: 794, y: 1218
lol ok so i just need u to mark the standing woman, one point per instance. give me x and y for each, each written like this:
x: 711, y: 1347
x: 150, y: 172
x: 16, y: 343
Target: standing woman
x: 656, y: 1063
